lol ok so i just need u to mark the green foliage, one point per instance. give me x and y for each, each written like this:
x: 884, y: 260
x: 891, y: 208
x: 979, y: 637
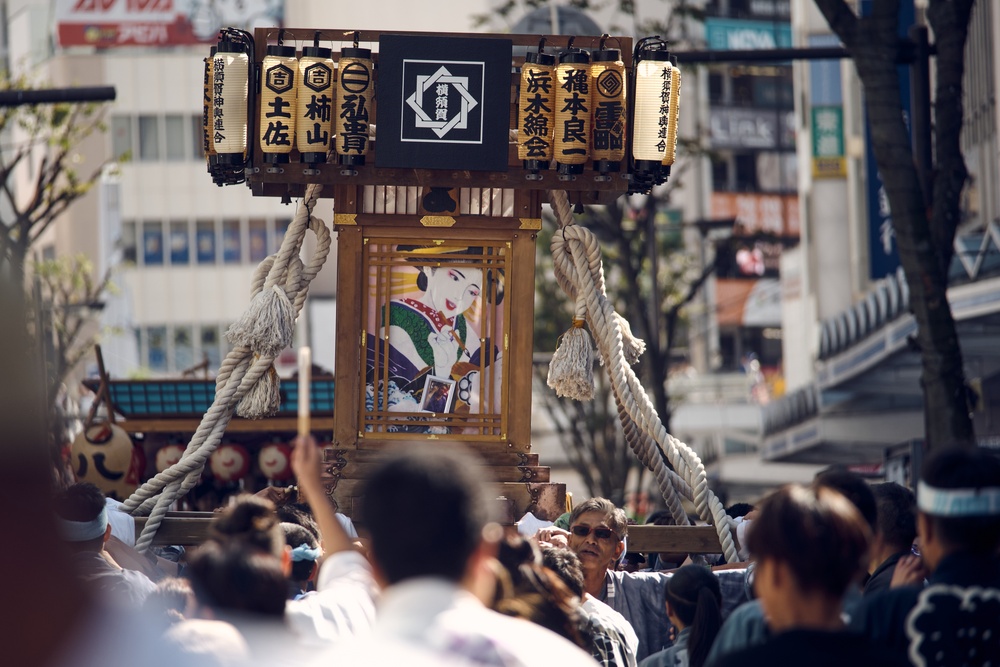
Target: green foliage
x: 42, y: 171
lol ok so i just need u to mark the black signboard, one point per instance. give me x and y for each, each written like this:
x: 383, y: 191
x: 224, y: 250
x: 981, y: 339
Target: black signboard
x: 443, y: 103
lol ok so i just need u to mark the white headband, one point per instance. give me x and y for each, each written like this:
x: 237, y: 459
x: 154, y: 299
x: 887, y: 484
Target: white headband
x: 84, y: 531
x: 984, y: 501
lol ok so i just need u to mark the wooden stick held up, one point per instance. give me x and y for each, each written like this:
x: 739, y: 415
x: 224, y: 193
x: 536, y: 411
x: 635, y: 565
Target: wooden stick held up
x: 305, y: 384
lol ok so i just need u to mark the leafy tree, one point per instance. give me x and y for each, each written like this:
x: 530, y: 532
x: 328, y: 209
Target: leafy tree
x: 925, y: 234
x: 41, y: 169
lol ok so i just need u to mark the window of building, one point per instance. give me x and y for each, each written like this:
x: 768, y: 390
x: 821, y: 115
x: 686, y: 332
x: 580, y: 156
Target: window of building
x: 231, y: 242
x: 197, y: 137
x: 205, y: 241
x: 149, y: 138
x: 179, y: 243
x: 210, y: 345
x: 152, y: 243
x: 121, y: 136
x: 280, y: 227
x: 128, y: 242
x: 177, y: 144
x: 720, y: 173
x: 746, y: 172
x: 716, y: 88
x: 156, y: 345
x: 183, y: 348
x: 258, y: 239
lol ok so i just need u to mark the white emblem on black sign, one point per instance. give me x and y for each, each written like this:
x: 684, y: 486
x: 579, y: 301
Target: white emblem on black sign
x: 445, y: 98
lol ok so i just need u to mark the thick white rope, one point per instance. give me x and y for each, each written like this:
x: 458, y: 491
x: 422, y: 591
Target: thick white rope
x: 578, y: 268
x: 283, y: 275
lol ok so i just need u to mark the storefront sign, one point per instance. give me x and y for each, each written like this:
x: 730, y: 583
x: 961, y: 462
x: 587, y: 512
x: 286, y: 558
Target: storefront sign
x: 828, y: 159
x: 732, y: 34
x: 749, y: 128
x: 777, y: 215
x: 112, y: 23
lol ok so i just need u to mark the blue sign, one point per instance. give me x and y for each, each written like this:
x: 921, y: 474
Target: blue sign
x: 733, y: 34
x: 883, y: 256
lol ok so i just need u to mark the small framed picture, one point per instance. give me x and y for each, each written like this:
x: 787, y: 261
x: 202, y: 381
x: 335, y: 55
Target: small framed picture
x: 439, y: 393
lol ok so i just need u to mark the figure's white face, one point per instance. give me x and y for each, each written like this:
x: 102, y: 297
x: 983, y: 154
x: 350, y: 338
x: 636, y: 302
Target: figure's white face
x: 452, y: 290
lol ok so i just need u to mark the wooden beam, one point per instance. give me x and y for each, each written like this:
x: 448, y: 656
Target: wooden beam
x: 674, y: 539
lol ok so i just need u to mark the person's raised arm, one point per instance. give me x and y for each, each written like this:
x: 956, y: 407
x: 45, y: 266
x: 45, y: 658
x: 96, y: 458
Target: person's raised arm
x: 306, y: 465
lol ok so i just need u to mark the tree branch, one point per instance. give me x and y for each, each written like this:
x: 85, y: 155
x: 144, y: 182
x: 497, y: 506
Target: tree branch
x: 842, y: 19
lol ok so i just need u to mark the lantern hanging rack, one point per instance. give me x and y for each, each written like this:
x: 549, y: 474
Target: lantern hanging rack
x: 600, y: 180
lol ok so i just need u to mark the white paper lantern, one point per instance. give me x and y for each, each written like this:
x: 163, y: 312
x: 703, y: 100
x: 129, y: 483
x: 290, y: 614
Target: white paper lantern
x: 230, y: 72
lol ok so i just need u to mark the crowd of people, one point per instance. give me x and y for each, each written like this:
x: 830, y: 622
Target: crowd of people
x: 840, y: 572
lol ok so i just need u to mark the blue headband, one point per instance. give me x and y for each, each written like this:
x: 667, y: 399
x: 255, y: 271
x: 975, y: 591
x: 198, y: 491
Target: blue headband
x: 84, y: 531
x: 984, y: 501
x: 303, y: 552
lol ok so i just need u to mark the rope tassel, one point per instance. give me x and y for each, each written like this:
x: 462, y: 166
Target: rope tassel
x: 571, y: 371
x: 267, y: 325
x: 263, y: 399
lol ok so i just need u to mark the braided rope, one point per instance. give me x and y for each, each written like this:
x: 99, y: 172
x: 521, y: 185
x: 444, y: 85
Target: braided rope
x: 242, y: 368
x: 578, y: 268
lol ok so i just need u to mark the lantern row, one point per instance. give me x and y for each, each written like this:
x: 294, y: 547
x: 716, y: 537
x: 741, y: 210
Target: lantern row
x: 571, y: 108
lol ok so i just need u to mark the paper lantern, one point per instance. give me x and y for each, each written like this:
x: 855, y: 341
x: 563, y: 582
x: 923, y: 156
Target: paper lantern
x: 230, y: 74
x: 314, y: 112
x: 208, y: 146
x: 675, y: 103
x: 278, y: 103
x: 105, y: 456
x: 650, y: 116
x: 354, y: 96
x: 275, y: 461
x: 167, y: 456
x: 229, y: 463
x: 536, y: 116
x: 608, y: 118
x: 573, y: 99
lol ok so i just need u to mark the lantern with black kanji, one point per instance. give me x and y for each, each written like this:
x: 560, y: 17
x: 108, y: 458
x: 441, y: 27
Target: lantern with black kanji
x: 230, y: 74
x: 653, y: 79
x: 573, y: 101
x: 208, y: 146
x: 607, y: 81
x: 278, y: 103
x: 354, y: 96
x: 314, y: 117
x: 536, y: 112
x: 675, y: 103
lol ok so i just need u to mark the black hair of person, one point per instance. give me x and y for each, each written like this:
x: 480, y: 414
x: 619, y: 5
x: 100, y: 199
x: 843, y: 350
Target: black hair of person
x: 488, y: 274
x: 695, y: 596
x: 897, y: 514
x: 300, y: 516
x: 566, y: 565
x: 252, y: 521
x: 817, y: 532
x: 961, y: 468
x: 167, y: 602
x: 425, y: 510
x: 82, y: 502
x: 852, y: 486
x: 296, y: 535
x: 233, y: 580
x: 739, y: 509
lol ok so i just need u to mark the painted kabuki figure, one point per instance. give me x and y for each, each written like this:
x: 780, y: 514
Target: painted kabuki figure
x: 434, y: 311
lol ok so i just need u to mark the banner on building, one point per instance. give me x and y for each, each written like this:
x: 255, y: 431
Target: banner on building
x: 739, y: 128
x: 775, y: 215
x: 734, y: 34
x: 113, y: 23
x: 828, y: 159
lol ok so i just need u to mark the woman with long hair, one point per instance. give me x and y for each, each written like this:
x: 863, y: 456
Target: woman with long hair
x: 694, y: 601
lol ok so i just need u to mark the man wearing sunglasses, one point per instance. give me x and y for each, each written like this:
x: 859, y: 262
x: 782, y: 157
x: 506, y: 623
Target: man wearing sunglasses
x: 597, y: 531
